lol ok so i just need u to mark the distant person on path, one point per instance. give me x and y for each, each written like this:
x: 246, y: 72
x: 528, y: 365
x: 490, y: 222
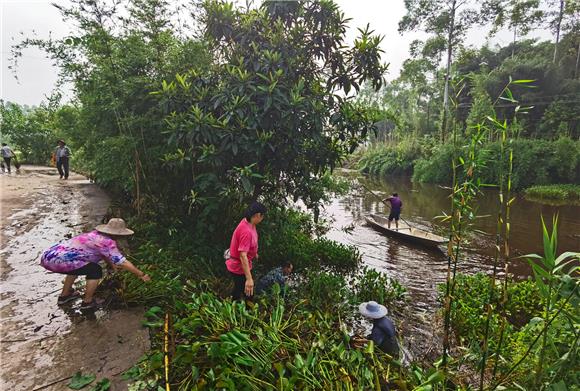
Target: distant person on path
x: 383, y: 333
x: 80, y: 256
x: 396, y: 206
x: 243, y: 250
x: 277, y: 275
x: 62, y: 154
x: 7, y: 155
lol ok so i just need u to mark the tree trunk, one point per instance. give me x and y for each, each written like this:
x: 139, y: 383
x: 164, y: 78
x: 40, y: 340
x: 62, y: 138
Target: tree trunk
x: 428, y: 115
x: 560, y: 15
x: 448, y: 72
x: 514, y: 41
x: 577, y: 61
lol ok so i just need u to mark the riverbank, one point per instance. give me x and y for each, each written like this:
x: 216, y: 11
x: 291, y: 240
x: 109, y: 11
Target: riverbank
x: 559, y: 194
x: 42, y: 344
x: 535, y: 162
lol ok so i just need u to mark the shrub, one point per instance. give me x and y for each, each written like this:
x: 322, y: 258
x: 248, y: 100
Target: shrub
x: 397, y: 159
x: 286, y: 235
x: 554, y: 192
x: 472, y: 291
x: 370, y: 284
x: 535, y: 162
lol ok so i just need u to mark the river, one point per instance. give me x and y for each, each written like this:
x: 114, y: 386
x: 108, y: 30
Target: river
x: 421, y: 269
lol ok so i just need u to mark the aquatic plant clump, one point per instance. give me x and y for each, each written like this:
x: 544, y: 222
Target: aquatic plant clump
x: 267, y: 345
x: 568, y: 192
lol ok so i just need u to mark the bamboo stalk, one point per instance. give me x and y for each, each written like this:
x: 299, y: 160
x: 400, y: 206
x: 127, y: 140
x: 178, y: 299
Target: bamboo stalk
x: 544, y: 330
x: 491, y: 293
x: 165, y: 351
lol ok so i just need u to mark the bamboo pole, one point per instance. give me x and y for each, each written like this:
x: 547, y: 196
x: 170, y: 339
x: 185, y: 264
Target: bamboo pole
x: 166, y: 351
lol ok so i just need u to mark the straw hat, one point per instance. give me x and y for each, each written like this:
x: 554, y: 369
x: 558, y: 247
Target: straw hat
x: 372, y: 310
x: 115, y: 227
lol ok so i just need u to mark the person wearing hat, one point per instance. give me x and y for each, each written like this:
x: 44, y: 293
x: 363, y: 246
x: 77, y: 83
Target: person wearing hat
x: 244, y: 249
x: 80, y: 256
x: 62, y: 154
x: 383, y: 333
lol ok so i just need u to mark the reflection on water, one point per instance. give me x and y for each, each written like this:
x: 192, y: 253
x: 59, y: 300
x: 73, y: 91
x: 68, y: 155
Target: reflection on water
x: 421, y: 269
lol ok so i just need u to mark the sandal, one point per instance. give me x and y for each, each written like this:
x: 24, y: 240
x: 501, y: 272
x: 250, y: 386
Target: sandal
x: 70, y: 297
x: 93, y: 305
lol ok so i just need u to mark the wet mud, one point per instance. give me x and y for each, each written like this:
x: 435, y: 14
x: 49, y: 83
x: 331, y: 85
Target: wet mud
x: 42, y: 344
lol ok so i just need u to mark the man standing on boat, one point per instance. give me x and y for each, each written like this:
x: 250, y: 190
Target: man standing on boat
x: 396, y: 206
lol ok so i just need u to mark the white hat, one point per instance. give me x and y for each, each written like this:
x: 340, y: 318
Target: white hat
x: 115, y: 227
x: 372, y: 310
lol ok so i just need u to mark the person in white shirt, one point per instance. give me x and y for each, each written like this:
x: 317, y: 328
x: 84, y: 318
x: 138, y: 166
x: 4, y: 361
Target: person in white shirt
x: 62, y: 157
x: 7, y: 154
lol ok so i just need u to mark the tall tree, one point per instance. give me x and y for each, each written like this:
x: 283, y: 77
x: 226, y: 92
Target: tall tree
x: 276, y: 111
x: 520, y: 16
x: 556, y: 24
x: 446, y: 19
x: 564, y: 18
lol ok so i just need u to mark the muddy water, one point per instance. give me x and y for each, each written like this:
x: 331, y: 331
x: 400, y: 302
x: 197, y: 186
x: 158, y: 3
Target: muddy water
x: 42, y: 343
x: 421, y: 269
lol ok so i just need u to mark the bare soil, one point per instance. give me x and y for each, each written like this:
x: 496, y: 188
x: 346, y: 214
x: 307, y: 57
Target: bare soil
x: 40, y: 342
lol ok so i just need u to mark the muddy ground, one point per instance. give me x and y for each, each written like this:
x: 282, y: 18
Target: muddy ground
x: 42, y: 344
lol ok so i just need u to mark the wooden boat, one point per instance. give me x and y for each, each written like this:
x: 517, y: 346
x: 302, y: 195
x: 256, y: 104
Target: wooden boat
x: 405, y: 232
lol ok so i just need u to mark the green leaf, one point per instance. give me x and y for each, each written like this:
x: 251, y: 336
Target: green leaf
x: 79, y: 380
x: 560, y: 386
x: 103, y: 385
x: 567, y: 254
x: 539, y: 271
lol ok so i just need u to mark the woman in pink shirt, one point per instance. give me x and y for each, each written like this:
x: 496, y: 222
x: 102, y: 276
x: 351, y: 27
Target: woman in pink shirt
x: 80, y: 256
x: 243, y: 249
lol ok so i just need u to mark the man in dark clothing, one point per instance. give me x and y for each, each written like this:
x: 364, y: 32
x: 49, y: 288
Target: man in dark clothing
x: 7, y: 155
x: 62, y: 159
x: 383, y: 333
x: 277, y: 275
x: 396, y: 206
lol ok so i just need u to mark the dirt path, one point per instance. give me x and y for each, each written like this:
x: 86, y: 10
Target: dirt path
x: 40, y: 342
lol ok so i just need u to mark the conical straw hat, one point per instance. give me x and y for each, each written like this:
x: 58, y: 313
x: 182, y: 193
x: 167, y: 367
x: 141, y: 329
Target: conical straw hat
x: 115, y: 227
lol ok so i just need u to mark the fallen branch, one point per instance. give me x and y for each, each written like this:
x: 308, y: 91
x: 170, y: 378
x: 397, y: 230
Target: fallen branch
x: 51, y: 384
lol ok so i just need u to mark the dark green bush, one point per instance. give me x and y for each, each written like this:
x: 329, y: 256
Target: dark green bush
x: 395, y: 159
x: 535, y: 162
x: 472, y: 292
x: 286, y: 235
x: 435, y: 168
x: 370, y: 284
x: 325, y: 291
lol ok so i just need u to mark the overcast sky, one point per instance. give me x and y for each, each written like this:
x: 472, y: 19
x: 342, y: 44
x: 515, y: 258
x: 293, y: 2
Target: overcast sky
x: 37, y: 76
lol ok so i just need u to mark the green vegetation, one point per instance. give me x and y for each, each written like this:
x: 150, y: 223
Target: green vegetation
x: 300, y: 339
x: 412, y: 138
x: 263, y: 104
x: 554, y: 193
x: 523, y: 311
x: 535, y: 161
x: 535, y: 322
